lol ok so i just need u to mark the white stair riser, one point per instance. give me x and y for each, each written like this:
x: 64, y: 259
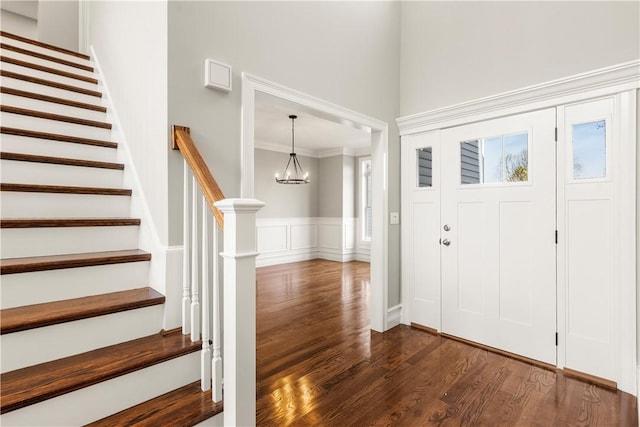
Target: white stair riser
x: 48, y: 76
x: 27, y: 242
x: 52, y: 107
x: 47, y: 147
x: 21, y: 121
x: 98, y: 401
x: 26, y: 348
x: 55, y: 174
x: 53, y: 285
x: 46, y: 51
x: 51, y: 91
x: 46, y: 63
x: 38, y: 205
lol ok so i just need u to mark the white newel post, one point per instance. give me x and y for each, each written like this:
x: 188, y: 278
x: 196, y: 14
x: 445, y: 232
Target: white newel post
x: 239, y: 295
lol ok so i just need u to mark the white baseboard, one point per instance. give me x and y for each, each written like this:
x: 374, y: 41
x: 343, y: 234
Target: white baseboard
x: 393, y: 316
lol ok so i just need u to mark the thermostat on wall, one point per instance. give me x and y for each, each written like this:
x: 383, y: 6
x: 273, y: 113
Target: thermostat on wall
x: 217, y: 75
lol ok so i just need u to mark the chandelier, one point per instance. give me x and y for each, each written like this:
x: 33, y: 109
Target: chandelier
x: 293, y: 172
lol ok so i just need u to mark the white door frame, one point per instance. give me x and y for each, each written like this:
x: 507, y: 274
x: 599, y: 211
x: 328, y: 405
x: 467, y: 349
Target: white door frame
x: 379, y: 161
x: 621, y: 80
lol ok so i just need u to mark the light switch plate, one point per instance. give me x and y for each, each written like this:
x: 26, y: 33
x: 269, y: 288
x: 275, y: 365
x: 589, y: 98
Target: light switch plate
x: 394, y: 218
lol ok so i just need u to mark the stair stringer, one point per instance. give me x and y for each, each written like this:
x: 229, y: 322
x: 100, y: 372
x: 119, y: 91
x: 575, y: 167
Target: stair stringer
x: 165, y: 273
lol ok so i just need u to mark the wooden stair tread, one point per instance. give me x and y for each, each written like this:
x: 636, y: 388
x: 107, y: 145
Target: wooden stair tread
x: 67, y: 222
x: 36, y: 188
x: 45, y: 57
x: 52, y: 99
x: 10, y: 60
x: 44, y: 45
x: 185, y: 406
x: 57, y: 137
x: 55, y: 262
x: 52, y: 313
x: 60, y: 161
x: 51, y: 116
x: 50, y: 83
x: 36, y: 383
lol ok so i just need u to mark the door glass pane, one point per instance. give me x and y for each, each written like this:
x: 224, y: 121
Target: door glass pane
x: 497, y: 159
x: 424, y: 167
x: 589, y: 150
x: 470, y: 162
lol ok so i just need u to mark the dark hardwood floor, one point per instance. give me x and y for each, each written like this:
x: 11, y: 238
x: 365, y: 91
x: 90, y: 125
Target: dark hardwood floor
x: 318, y: 363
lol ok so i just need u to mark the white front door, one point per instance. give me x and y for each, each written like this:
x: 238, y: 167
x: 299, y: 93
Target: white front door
x: 498, y: 231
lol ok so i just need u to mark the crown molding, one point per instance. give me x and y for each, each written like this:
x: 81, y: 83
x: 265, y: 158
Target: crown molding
x: 601, y: 82
x: 270, y: 146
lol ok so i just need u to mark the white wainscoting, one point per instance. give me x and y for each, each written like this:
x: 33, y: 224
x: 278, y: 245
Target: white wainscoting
x: 283, y: 240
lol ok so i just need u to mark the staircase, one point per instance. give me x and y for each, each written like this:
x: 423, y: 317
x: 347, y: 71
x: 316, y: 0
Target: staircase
x: 80, y: 327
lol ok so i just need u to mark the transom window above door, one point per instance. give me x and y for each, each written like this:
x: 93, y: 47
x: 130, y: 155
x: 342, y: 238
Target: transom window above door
x: 498, y: 159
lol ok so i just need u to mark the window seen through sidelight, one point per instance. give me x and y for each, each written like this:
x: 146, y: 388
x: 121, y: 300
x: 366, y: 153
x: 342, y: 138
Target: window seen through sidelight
x: 498, y: 159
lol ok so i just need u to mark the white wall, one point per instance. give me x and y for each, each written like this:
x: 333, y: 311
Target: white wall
x: 133, y: 59
x: 458, y: 51
x: 18, y: 24
x: 343, y: 52
x: 58, y: 23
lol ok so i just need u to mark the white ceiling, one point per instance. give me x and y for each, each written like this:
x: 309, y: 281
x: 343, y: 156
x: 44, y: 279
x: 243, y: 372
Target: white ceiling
x: 26, y: 8
x: 314, y: 135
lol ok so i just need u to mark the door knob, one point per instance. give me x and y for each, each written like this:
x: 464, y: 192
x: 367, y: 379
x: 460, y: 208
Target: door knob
x: 446, y: 242
x: 446, y: 227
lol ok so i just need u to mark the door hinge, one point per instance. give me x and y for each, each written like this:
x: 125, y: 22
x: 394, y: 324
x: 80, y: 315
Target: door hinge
x: 556, y: 136
x: 556, y: 339
x: 556, y: 237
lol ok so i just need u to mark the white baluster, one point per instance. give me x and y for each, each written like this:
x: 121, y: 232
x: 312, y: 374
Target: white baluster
x: 216, y: 362
x: 195, y: 302
x: 186, y: 292
x: 205, y: 355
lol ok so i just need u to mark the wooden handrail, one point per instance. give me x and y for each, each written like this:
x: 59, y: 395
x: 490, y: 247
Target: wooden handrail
x: 181, y: 140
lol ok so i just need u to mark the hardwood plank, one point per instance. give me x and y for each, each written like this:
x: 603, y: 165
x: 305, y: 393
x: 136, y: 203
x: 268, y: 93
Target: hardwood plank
x: 50, y: 83
x: 45, y: 45
x: 52, y: 313
x: 56, y: 262
x: 10, y: 60
x: 51, y: 116
x: 33, y: 188
x: 24, y: 387
x: 318, y: 363
x: 186, y: 406
x: 21, y: 157
x: 45, y: 57
x: 67, y: 222
x: 57, y: 137
x: 52, y: 99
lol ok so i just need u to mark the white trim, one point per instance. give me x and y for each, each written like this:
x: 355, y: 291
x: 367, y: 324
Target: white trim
x: 601, y: 82
x: 379, y: 147
x: 318, y: 154
x: 301, y: 151
x: 287, y: 240
x: 393, y: 314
